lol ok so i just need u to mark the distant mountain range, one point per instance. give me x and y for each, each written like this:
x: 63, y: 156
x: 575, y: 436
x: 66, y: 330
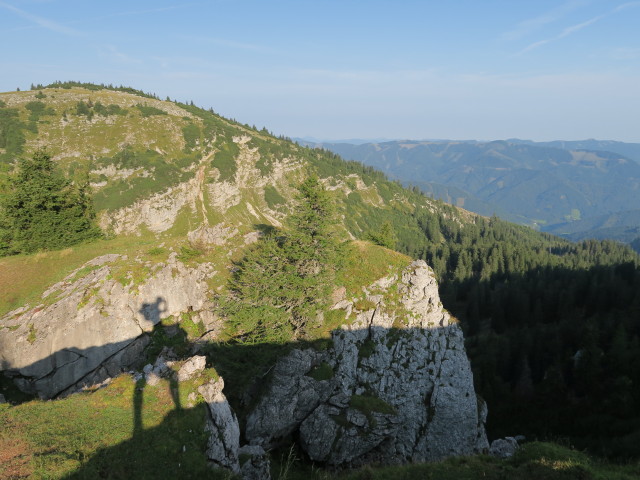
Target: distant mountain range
x: 572, y: 188
x: 629, y: 150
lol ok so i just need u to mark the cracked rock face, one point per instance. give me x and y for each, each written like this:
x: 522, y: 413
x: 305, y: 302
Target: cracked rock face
x: 394, y: 395
x: 256, y: 465
x: 96, y: 327
x: 222, y: 425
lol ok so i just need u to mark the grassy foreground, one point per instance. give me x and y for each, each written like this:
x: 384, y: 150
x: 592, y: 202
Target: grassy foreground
x: 122, y: 431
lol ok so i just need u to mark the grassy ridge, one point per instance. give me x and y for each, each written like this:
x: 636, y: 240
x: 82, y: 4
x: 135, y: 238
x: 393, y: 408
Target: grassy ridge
x: 23, y: 278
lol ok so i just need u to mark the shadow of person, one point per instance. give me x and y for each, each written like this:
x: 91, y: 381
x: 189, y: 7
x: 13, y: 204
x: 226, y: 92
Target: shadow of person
x: 138, y: 397
x: 174, y: 387
x: 152, y: 311
x: 161, y: 368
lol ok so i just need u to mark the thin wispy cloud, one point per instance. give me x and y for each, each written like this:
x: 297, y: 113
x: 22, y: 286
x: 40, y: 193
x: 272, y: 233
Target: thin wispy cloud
x: 565, y: 33
x: 129, y: 13
x: 526, y: 27
x: 41, y: 21
x: 577, y: 27
x: 625, y: 6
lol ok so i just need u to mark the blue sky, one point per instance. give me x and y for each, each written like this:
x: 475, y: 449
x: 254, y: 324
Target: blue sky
x: 458, y: 69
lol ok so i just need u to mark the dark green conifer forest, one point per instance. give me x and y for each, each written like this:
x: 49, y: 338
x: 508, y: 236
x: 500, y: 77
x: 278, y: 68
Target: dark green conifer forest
x: 552, y: 329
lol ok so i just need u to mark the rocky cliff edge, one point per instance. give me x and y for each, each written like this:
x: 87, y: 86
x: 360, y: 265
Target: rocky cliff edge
x: 394, y: 387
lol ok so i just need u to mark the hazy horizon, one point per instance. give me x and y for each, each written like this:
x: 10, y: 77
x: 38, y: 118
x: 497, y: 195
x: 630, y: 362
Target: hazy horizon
x: 543, y: 70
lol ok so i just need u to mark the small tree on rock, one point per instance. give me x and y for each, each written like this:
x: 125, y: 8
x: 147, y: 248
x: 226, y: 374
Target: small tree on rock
x: 283, y: 281
x: 385, y: 237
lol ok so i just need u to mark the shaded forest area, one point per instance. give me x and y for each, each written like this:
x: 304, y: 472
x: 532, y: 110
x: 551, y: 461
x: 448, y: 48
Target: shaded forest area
x: 552, y: 329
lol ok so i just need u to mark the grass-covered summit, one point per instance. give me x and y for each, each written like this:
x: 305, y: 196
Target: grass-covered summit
x: 169, y: 167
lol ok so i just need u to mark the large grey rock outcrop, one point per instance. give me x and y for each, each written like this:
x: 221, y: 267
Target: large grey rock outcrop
x: 91, y: 326
x: 292, y: 398
x: 222, y: 425
x: 396, y: 385
x: 192, y: 367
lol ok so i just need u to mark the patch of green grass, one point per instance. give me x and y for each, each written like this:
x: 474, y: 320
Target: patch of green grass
x: 380, y: 262
x: 83, y: 272
x: 126, y: 191
x: 264, y: 165
x: 321, y: 372
x: 31, y: 336
x: 12, y: 138
x: 119, y: 432
x: 148, y: 110
x: 23, y: 278
x: 193, y: 330
x: 131, y: 272
x: 225, y: 159
x: 333, y: 319
x: 160, y: 339
x: 157, y: 251
x: 188, y: 252
x: 364, y: 304
x: 531, y: 463
x: 273, y: 197
x: 88, y: 295
x: 191, y: 134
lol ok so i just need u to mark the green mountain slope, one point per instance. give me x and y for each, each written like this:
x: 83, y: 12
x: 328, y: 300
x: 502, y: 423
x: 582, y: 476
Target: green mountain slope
x: 620, y: 226
x: 531, y: 183
x: 171, y: 168
x: 169, y: 178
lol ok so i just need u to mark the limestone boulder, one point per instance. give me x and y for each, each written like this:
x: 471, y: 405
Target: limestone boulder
x: 221, y: 423
x: 91, y: 326
x: 400, y: 388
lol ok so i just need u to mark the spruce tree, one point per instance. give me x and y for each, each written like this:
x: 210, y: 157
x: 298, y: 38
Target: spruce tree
x: 282, y: 282
x: 42, y: 210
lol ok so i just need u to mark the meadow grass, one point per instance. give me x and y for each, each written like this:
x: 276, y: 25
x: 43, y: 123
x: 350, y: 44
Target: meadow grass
x: 23, y: 278
x: 122, y: 431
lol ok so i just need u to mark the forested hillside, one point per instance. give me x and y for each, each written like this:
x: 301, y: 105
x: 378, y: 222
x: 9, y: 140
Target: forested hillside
x: 538, y: 184
x: 629, y: 150
x: 552, y: 327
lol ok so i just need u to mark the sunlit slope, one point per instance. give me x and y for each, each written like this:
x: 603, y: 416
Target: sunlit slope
x: 169, y: 168
x: 174, y: 175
